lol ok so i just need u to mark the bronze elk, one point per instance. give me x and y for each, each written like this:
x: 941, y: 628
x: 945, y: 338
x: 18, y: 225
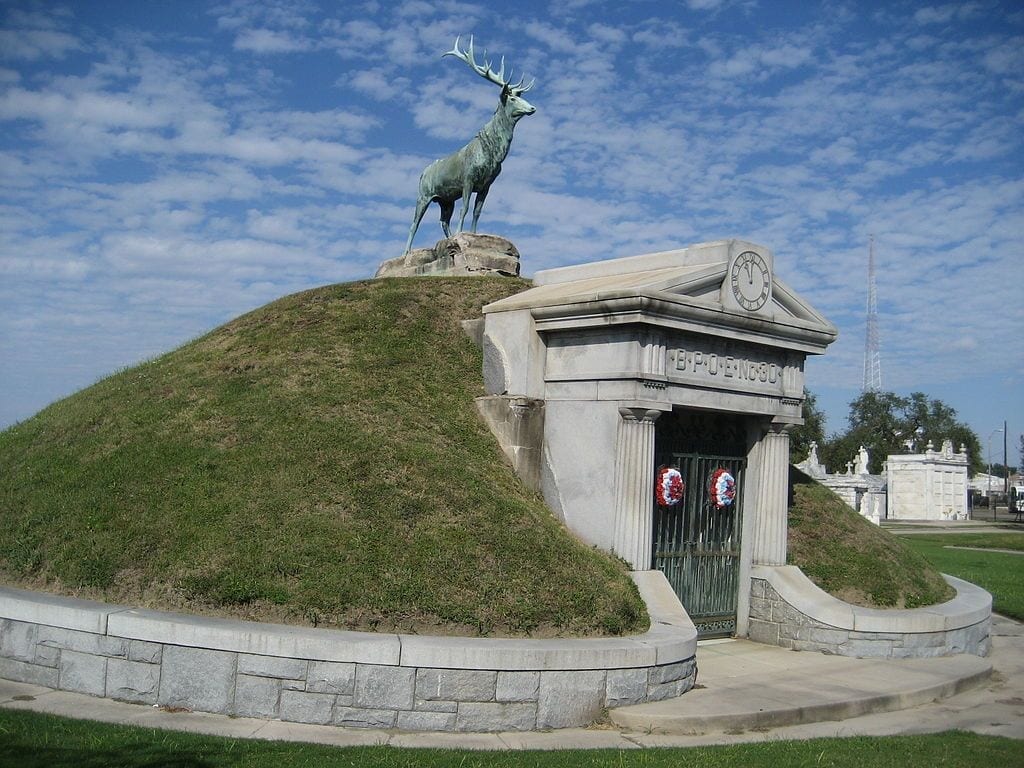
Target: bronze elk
x: 474, y: 167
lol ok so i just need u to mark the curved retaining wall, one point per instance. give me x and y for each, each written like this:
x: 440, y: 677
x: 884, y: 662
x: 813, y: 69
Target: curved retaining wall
x: 788, y: 609
x: 344, y: 678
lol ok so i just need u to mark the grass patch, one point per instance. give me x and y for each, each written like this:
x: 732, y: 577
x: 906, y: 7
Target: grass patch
x: 318, y: 460
x: 1001, y: 573
x: 32, y: 740
x: 853, y: 559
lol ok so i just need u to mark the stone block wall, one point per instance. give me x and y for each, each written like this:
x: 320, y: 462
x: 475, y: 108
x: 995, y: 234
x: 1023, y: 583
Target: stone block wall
x: 324, y: 692
x: 339, y: 678
x: 775, y: 621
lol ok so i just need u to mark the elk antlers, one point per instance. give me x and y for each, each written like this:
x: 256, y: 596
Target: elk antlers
x: 498, y: 78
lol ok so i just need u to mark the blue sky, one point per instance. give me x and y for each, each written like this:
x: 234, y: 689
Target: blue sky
x: 167, y: 166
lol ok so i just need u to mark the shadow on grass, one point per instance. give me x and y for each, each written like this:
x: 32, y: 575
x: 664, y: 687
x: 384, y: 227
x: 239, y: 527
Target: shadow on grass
x: 136, y: 756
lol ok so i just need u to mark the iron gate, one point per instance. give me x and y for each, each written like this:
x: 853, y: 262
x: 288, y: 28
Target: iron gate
x: 696, y: 544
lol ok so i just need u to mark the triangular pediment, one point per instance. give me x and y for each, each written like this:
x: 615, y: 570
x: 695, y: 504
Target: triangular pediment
x: 686, y: 285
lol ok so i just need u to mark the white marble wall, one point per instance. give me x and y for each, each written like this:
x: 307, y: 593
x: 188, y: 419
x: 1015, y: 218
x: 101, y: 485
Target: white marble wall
x: 928, y: 486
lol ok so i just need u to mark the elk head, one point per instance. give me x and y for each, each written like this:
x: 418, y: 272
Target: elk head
x: 511, y: 94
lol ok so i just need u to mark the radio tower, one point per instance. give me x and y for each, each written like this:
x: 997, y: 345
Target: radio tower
x: 872, y: 359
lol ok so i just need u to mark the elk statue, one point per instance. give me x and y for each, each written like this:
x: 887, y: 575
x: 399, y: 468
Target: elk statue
x: 474, y: 167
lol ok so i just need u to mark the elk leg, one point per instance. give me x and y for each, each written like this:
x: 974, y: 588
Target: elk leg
x: 421, y: 208
x: 447, y: 209
x: 466, y: 192
x: 478, y: 205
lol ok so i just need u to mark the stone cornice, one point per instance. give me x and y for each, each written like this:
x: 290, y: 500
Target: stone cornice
x: 666, y: 310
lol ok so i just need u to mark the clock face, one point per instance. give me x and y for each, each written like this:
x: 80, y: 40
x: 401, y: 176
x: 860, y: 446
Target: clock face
x: 751, y: 280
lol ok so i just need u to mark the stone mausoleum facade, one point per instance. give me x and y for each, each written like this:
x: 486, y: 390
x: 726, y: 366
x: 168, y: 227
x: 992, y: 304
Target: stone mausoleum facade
x: 690, y: 359
x: 649, y: 399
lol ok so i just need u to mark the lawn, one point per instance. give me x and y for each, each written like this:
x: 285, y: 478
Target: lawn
x: 29, y: 740
x: 1000, y: 573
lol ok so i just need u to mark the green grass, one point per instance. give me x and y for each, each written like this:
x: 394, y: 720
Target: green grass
x: 29, y: 740
x: 853, y: 559
x: 318, y: 460
x: 1000, y: 573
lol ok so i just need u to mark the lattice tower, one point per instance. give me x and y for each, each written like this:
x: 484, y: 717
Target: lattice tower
x: 872, y: 358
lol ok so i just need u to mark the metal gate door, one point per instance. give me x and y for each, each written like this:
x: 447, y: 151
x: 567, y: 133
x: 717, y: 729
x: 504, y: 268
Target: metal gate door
x: 697, y: 544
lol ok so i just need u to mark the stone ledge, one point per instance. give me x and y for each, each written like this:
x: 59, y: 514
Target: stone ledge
x: 55, y: 610
x: 672, y: 636
x: 256, y: 638
x: 971, y: 605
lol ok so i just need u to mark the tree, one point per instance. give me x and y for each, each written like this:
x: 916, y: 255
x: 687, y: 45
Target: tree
x: 811, y: 431
x: 875, y: 421
x: 938, y: 422
x: 886, y: 423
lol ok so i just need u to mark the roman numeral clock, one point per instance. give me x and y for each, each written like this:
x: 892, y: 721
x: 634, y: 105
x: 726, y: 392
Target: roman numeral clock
x: 750, y: 280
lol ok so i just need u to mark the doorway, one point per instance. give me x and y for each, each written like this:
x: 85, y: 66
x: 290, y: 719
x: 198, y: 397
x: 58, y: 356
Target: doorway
x: 696, y: 541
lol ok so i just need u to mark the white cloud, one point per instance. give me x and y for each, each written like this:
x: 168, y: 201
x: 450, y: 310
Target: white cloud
x: 269, y: 41
x: 376, y: 84
x: 34, y: 44
x: 943, y: 14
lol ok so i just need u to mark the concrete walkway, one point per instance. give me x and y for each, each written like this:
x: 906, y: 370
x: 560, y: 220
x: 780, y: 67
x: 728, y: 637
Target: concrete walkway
x: 747, y: 692
x: 931, y: 527
x: 748, y: 686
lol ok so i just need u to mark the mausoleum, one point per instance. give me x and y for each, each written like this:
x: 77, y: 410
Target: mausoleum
x: 689, y: 360
x: 930, y: 485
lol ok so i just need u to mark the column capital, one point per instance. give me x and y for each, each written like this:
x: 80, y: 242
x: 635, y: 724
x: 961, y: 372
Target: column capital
x: 632, y: 413
x: 766, y: 427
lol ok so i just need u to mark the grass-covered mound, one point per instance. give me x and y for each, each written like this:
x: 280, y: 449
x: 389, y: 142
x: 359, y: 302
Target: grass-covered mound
x: 853, y: 559
x: 318, y: 460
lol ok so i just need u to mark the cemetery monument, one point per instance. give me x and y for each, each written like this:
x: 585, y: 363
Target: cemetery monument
x: 468, y: 172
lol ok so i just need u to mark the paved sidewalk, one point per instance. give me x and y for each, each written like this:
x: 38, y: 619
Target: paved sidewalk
x: 748, y: 692
x: 746, y: 686
x: 932, y: 527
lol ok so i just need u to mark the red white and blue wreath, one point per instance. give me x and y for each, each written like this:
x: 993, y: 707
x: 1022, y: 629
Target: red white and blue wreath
x: 668, y: 488
x: 723, y: 489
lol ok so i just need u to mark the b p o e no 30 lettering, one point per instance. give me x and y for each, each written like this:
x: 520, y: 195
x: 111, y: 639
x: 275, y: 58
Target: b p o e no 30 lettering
x: 711, y: 364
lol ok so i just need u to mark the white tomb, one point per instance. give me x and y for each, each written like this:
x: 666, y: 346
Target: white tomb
x: 928, y: 486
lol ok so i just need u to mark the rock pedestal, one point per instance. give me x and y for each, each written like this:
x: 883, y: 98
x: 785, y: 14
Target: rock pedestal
x: 463, y: 254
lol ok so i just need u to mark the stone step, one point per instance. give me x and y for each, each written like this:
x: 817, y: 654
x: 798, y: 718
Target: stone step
x: 743, y: 686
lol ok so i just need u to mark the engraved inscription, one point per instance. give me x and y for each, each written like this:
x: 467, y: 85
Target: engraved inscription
x: 727, y: 366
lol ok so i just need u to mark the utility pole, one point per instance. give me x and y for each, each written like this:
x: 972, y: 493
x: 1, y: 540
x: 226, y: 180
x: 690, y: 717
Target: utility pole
x: 991, y: 499
x: 872, y: 356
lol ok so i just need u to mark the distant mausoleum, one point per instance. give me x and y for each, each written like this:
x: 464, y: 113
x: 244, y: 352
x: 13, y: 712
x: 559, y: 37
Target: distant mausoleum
x: 918, y: 486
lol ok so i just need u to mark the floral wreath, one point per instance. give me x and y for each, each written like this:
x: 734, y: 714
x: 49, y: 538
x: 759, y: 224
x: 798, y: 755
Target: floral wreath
x: 723, y: 489
x: 668, y: 488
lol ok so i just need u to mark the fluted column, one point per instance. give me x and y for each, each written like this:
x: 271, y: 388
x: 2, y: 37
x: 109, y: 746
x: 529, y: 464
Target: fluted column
x: 771, y: 520
x: 634, y: 486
